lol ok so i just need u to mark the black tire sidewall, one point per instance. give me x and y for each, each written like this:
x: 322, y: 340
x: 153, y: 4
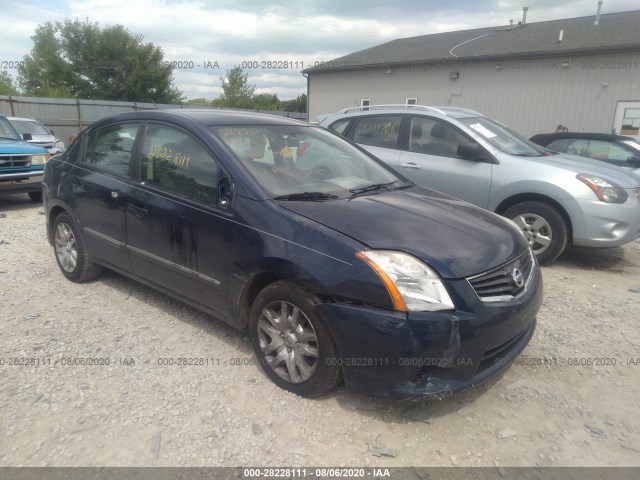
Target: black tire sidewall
x: 328, y: 372
x: 555, y: 220
x: 79, y: 273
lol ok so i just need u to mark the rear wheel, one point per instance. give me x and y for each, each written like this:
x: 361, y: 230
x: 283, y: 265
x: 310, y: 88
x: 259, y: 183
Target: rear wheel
x: 545, y: 229
x: 71, y: 252
x: 294, y: 346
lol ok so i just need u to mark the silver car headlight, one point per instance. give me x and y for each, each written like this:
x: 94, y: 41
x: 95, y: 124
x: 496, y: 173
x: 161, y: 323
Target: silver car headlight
x: 412, y: 284
x: 605, y: 191
x: 39, y: 159
x: 59, y: 144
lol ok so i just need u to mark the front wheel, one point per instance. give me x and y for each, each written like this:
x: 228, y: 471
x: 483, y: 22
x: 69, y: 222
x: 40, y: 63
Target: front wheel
x: 545, y: 229
x: 294, y: 346
x: 71, y: 252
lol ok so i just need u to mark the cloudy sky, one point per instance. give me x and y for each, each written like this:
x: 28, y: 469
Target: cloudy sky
x: 291, y: 34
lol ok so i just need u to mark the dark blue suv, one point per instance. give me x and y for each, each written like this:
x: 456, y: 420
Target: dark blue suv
x: 21, y: 164
x: 338, y: 267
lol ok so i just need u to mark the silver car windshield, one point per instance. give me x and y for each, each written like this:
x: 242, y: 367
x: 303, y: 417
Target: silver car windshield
x: 503, y: 138
x: 28, y: 126
x: 305, y: 163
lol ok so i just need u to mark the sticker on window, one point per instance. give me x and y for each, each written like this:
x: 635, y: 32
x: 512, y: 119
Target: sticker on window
x: 482, y: 130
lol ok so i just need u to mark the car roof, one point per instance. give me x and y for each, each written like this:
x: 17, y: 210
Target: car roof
x: 210, y: 117
x: 547, y: 138
x: 440, y: 111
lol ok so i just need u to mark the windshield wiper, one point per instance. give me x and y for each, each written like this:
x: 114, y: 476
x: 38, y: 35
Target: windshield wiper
x: 371, y: 188
x: 306, y: 196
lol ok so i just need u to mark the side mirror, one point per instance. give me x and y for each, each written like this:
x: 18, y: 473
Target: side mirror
x: 27, y: 137
x: 473, y: 152
x: 634, y: 161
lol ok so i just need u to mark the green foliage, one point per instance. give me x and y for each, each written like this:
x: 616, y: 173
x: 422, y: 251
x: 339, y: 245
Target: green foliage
x: 236, y: 91
x: 298, y: 104
x: 7, y: 86
x: 79, y: 59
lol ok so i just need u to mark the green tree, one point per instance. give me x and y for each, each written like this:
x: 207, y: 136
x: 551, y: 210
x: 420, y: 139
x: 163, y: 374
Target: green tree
x: 7, y: 86
x: 298, y: 104
x: 266, y: 101
x: 236, y: 90
x: 77, y: 58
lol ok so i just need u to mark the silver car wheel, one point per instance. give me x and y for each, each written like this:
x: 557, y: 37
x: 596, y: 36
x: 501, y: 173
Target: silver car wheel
x: 288, y: 341
x: 66, y: 249
x: 537, y: 230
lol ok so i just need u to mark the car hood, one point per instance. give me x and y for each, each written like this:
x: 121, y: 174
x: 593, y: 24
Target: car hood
x: 19, y: 147
x: 625, y: 177
x: 452, y: 236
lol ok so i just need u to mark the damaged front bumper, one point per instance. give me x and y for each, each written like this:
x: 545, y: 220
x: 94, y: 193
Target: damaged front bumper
x: 431, y: 354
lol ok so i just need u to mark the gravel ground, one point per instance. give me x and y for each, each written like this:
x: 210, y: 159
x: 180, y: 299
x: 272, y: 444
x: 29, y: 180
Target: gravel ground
x: 543, y: 411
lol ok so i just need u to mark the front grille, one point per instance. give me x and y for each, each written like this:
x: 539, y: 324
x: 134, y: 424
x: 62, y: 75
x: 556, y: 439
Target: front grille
x: 15, y: 161
x: 505, y: 282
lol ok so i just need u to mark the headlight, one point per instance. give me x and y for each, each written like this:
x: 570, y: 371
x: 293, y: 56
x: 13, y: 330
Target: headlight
x: 411, y: 283
x: 604, y: 190
x: 59, y: 144
x: 39, y: 159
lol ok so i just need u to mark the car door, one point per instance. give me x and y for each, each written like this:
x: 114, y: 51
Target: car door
x: 379, y: 135
x: 430, y: 157
x: 100, y: 181
x: 178, y: 228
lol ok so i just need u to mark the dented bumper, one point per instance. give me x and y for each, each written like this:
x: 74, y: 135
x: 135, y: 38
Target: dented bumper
x: 431, y: 354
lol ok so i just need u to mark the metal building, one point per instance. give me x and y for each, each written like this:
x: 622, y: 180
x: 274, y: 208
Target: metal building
x: 582, y: 73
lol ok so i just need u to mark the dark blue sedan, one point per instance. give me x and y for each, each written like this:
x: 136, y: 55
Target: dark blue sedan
x: 338, y: 267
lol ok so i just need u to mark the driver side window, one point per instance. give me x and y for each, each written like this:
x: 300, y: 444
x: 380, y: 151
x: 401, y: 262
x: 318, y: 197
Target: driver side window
x: 175, y: 161
x: 434, y: 137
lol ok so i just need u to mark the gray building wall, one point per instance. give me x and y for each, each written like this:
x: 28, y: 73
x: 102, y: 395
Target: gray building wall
x: 530, y: 95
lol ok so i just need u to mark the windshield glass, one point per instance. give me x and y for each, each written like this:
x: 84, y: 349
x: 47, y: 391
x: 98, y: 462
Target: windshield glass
x: 305, y: 163
x: 634, y: 145
x: 29, y: 126
x: 6, y: 131
x: 503, y: 138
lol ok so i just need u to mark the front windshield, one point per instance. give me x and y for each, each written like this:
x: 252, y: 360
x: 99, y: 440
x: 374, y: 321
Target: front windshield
x: 28, y: 126
x: 305, y: 163
x: 502, y: 138
x: 634, y: 145
x: 6, y: 130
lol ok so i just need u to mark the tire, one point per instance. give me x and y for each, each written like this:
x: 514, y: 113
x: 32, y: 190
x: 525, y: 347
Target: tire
x: 36, y: 197
x: 297, y: 354
x: 71, y: 252
x: 545, y: 229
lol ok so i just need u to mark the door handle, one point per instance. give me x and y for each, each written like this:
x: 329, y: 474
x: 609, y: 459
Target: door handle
x: 411, y: 165
x: 138, y: 211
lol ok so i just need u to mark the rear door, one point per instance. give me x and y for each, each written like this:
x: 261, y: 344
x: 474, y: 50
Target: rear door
x: 100, y: 182
x: 379, y: 135
x: 430, y: 157
x: 178, y: 226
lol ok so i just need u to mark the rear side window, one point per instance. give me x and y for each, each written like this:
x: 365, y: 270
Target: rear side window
x: 340, y: 126
x: 379, y: 131
x: 175, y: 161
x: 111, y: 147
